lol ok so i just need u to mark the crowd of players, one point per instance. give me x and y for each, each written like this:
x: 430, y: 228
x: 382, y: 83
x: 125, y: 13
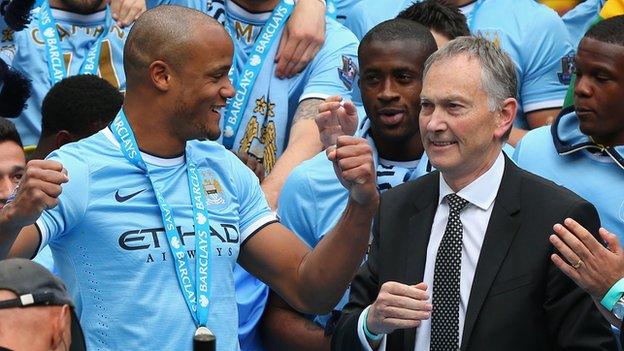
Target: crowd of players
x: 120, y: 215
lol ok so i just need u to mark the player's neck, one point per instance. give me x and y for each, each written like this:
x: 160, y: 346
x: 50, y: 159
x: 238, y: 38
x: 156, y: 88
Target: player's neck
x: 148, y: 123
x: 44, y: 147
x: 257, y: 5
x: 58, y: 4
x: 408, y: 150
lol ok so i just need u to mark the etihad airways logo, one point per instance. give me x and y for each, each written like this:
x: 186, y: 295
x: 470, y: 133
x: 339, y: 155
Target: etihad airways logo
x: 225, y: 239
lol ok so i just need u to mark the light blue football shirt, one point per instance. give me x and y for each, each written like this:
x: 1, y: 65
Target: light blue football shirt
x: 25, y: 51
x: 562, y: 154
x: 110, y: 248
x: 531, y: 33
x: 579, y: 19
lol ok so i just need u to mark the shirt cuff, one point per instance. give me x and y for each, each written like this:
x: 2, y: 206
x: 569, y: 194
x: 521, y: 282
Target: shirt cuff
x: 362, y: 336
x: 43, y: 232
x: 613, y: 295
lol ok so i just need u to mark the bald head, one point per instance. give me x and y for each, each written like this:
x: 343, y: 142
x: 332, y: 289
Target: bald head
x: 165, y: 33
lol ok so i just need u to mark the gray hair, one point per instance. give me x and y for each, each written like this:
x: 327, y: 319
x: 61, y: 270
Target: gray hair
x: 498, y: 72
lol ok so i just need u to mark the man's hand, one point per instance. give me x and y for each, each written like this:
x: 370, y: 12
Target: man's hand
x: 253, y: 164
x: 582, y: 258
x: 38, y: 190
x: 336, y: 118
x: 301, y: 39
x: 353, y: 164
x: 398, y: 306
x: 125, y: 12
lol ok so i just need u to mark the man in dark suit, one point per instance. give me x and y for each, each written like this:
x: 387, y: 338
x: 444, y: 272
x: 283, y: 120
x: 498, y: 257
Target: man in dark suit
x: 460, y: 258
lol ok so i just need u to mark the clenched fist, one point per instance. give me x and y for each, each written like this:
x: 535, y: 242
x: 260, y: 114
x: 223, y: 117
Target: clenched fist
x: 38, y: 190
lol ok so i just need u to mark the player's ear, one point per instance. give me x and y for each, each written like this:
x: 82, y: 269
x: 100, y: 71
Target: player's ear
x: 160, y: 75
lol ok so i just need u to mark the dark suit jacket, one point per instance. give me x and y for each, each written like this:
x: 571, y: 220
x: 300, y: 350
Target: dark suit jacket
x: 519, y: 299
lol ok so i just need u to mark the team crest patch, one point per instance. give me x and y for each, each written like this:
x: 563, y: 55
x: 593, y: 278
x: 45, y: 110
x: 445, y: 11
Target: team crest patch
x: 347, y: 72
x: 567, y: 69
x: 260, y: 141
x: 7, y: 35
x: 212, y: 188
x: 492, y: 35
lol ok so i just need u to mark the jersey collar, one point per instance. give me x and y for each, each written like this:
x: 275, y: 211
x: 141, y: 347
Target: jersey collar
x: 568, y: 138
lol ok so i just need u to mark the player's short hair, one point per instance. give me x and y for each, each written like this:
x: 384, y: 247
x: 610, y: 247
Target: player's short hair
x: 79, y: 104
x: 8, y: 132
x: 439, y: 16
x: 403, y: 30
x: 163, y: 33
x: 609, y: 31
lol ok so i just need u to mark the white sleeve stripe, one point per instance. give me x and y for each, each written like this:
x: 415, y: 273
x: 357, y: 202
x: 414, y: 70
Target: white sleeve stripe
x: 314, y: 96
x: 258, y: 224
x: 542, y: 105
x: 43, y: 234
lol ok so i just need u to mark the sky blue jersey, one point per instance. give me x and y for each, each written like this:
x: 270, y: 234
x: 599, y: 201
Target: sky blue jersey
x: 25, y: 51
x: 109, y: 245
x: 532, y: 34
x: 579, y: 19
x: 563, y: 154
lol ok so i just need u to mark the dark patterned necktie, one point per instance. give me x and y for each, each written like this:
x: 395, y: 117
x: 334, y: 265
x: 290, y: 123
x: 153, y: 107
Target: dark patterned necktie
x: 445, y: 314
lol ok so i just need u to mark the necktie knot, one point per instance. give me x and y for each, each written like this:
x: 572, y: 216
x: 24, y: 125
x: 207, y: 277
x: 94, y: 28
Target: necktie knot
x: 456, y: 203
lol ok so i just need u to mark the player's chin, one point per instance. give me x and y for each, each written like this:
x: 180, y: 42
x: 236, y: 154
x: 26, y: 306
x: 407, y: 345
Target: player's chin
x: 213, y: 134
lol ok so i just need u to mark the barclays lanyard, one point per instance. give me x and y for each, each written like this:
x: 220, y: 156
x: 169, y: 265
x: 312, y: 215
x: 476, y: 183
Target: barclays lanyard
x: 245, y: 80
x: 196, y: 290
x: 54, y: 55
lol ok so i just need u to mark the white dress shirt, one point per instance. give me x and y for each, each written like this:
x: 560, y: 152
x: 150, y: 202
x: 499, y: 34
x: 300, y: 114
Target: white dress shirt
x: 475, y: 217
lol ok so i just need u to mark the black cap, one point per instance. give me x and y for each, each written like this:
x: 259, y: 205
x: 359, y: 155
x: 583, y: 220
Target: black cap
x: 35, y: 285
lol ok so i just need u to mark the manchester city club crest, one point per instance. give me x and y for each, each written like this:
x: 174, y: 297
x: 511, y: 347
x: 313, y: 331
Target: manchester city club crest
x: 347, y: 72
x: 212, y: 188
x: 260, y: 140
x: 567, y: 69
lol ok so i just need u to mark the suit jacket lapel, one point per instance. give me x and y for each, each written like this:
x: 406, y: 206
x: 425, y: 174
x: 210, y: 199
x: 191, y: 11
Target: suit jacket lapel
x: 419, y: 230
x: 502, y: 228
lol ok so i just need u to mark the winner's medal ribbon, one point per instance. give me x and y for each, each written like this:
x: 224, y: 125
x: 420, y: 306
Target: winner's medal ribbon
x: 245, y: 80
x: 52, y: 42
x: 196, y: 290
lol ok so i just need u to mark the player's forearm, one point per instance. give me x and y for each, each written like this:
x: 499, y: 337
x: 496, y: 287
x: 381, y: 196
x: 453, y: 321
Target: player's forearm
x: 304, y: 144
x: 283, y: 328
x: 333, y: 263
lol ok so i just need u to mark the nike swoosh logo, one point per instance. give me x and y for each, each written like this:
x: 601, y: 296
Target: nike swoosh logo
x: 120, y: 198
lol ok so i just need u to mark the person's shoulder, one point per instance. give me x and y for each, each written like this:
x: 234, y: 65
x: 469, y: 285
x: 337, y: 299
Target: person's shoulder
x: 210, y: 149
x: 337, y: 38
x: 89, y: 150
x: 541, y: 190
x: 537, y: 139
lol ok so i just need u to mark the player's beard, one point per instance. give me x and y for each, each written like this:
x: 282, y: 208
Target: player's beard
x: 82, y: 6
x: 190, y: 126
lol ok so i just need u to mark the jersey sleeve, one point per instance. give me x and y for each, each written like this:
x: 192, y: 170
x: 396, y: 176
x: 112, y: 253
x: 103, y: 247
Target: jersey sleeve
x: 297, y: 206
x: 548, y: 59
x: 72, y: 204
x: 254, y: 210
x: 334, y: 70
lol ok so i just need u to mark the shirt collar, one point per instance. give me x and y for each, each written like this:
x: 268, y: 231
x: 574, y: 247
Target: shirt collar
x: 482, y: 191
